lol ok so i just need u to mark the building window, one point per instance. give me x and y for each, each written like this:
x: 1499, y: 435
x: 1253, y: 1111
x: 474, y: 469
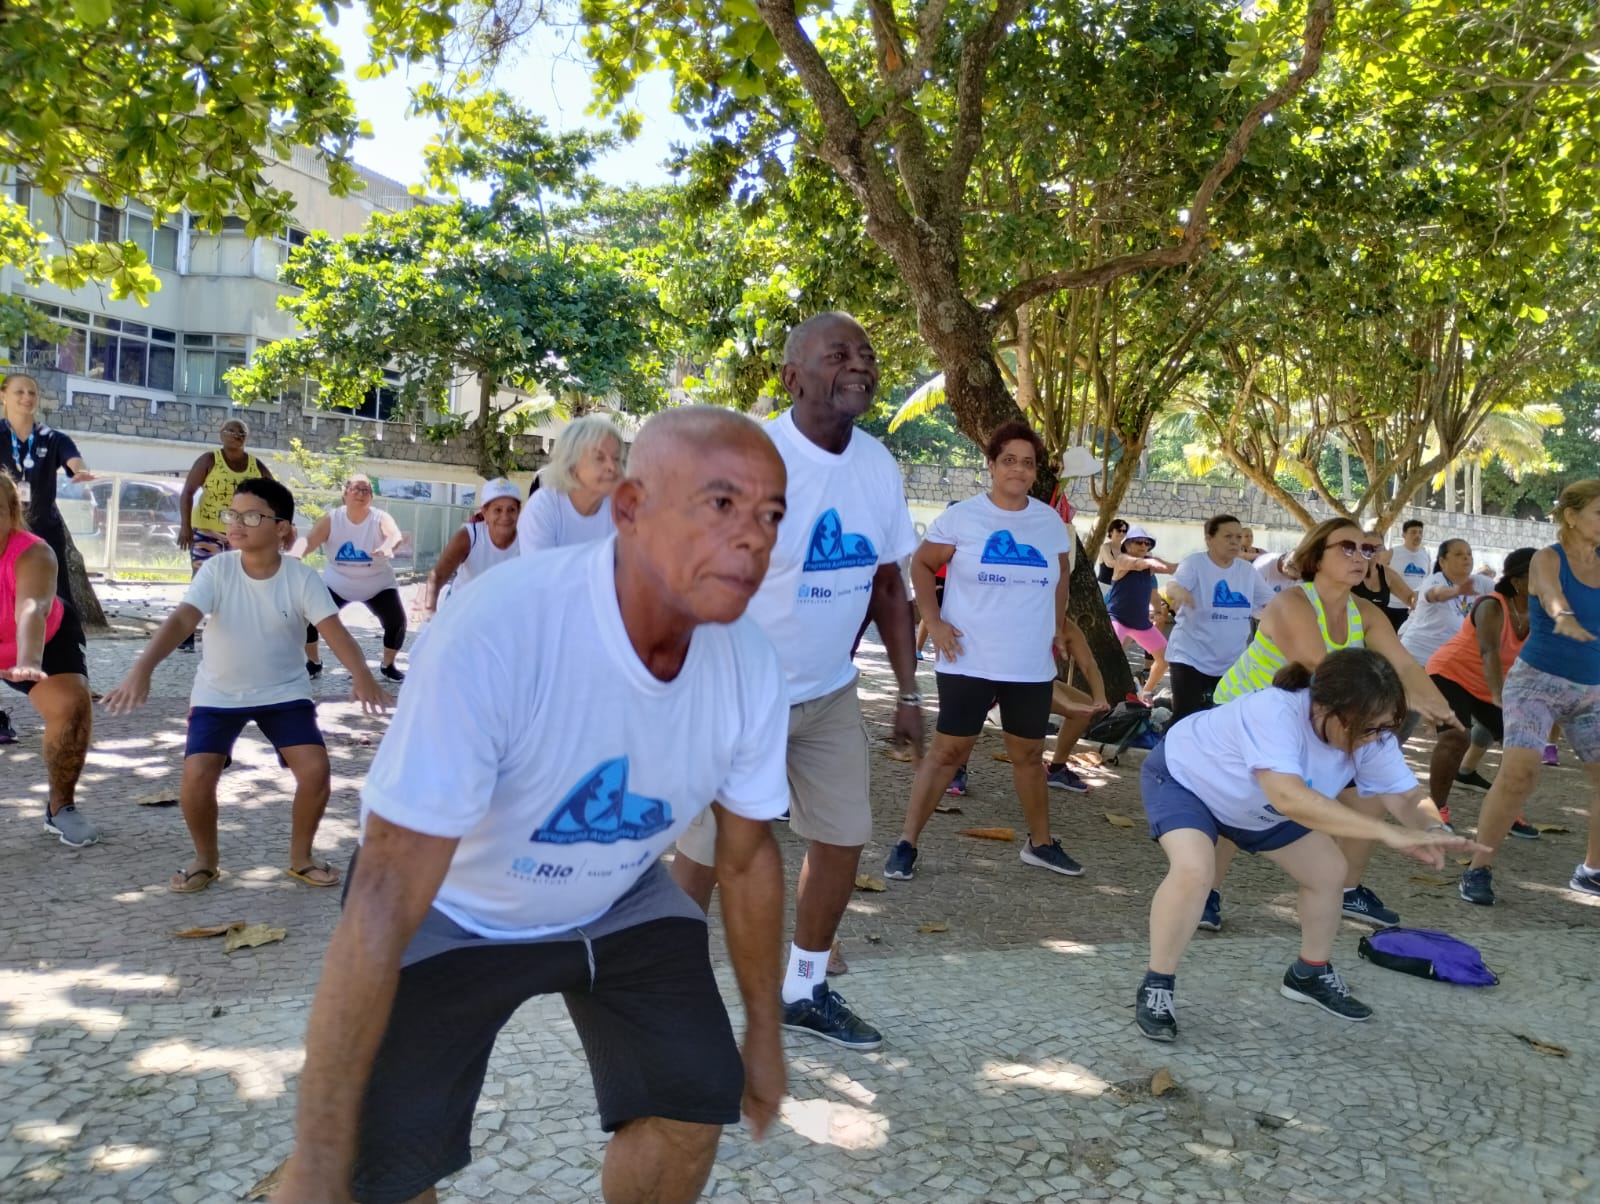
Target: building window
x: 382, y: 403
x: 207, y: 359
x: 128, y: 353
x: 74, y: 219
x: 159, y: 243
x: 283, y: 244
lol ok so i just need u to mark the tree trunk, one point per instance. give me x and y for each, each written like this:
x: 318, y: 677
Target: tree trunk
x: 1449, y: 488
x: 84, y: 601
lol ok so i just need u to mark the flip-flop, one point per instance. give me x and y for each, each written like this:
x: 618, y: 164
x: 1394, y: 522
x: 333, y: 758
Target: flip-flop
x: 207, y: 877
x: 304, y: 873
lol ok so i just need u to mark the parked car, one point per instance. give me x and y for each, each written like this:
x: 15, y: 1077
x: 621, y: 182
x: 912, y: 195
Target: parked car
x: 148, y: 513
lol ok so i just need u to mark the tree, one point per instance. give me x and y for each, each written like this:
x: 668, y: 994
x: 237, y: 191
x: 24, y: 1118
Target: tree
x: 444, y: 293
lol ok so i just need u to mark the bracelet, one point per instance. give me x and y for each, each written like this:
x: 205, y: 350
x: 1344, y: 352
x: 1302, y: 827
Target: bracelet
x: 911, y: 700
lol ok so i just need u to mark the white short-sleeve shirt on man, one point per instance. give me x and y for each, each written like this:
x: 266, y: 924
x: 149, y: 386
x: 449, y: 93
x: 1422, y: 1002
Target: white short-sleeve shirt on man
x: 1210, y: 635
x: 549, y: 520
x: 1413, y: 566
x: 253, y: 652
x: 1217, y: 753
x: 1433, y: 623
x: 847, y: 515
x: 531, y: 731
x: 1270, y: 568
x: 1000, y: 587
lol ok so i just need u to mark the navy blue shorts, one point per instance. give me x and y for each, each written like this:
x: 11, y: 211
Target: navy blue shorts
x: 1170, y: 805
x: 284, y: 724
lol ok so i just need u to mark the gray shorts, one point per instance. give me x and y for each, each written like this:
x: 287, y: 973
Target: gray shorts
x: 1535, y: 700
x: 828, y: 778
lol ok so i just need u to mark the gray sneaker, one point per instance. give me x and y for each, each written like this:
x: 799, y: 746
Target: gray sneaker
x: 71, y: 826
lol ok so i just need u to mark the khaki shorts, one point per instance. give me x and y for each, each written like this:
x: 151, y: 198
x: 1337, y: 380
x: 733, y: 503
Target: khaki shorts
x: 828, y: 799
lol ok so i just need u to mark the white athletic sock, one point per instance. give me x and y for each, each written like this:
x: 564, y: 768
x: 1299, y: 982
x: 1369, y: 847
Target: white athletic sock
x: 1586, y: 868
x: 806, y: 970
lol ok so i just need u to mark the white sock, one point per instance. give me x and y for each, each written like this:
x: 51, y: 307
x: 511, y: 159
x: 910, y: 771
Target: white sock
x: 1589, y: 869
x: 806, y: 970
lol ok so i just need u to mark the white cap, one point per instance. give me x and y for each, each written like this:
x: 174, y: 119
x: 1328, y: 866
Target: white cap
x: 498, y: 488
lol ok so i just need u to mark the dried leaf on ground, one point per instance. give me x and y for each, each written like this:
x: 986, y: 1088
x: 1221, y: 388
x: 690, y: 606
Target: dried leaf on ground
x: 899, y: 753
x: 156, y: 800
x: 269, y: 1184
x: 1161, y: 1082
x: 990, y: 833
x: 933, y: 928
x: 1091, y: 760
x: 868, y: 882
x: 250, y: 936
x: 1001, y: 757
x: 1118, y: 821
x: 194, y: 934
x: 1463, y: 861
x: 943, y: 810
x: 1432, y: 880
x: 1545, y: 1047
x: 1545, y: 829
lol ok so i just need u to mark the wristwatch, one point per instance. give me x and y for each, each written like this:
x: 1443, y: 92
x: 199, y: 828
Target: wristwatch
x: 911, y: 700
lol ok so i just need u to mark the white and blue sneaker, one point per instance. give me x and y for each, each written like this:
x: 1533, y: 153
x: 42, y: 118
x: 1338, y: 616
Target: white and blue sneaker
x: 1361, y: 904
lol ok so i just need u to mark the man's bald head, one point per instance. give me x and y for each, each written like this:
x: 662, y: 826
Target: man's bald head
x: 794, y: 345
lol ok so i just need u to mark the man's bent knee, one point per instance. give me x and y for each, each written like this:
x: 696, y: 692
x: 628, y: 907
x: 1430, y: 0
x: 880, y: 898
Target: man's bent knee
x: 654, y: 1160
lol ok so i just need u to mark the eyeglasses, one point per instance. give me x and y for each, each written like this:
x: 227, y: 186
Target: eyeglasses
x: 358, y: 489
x: 1351, y: 548
x: 250, y: 518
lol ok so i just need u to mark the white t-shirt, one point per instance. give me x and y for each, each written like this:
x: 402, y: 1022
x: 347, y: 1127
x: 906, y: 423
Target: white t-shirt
x: 1433, y: 623
x: 549, y: 520
x: 1413, y: 567
x: 253, y: 652
x: 353, y: 572
x: 1217, y: 753
x: 531, y: 730
x: 482, y: 556
x: 1000, y: 587
x: 1270, y: 567
x: 847, y: 515
x: 1210, y: 635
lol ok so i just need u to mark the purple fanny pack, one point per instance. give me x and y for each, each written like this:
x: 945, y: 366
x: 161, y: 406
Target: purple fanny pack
x: 1427, y: 954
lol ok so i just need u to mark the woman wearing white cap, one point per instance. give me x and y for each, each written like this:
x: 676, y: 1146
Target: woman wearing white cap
x: 573, y: 501
x: 1133, y: 581
x: 487, y: 540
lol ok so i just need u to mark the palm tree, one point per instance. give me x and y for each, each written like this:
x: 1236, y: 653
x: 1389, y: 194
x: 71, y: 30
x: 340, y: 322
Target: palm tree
x: 1512, y: 434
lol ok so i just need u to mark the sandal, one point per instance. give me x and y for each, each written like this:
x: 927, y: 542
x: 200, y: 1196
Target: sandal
x: 183, y: 882
x: 316, y: 867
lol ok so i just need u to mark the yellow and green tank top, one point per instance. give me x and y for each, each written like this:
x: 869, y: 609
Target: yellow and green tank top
x: 1260, y: 662
x: 221, y: 481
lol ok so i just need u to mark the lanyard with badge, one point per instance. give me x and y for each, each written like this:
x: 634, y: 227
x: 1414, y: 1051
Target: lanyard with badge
x: 22, y: 455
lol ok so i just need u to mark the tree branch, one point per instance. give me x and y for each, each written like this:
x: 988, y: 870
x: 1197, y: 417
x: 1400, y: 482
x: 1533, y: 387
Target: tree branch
x: 975, y: 55
x: 1318, y: 18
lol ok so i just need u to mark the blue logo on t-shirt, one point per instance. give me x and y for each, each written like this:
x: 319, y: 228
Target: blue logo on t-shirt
x: 600, y: 810
x: 1413, y: 569
x: 1223, y: 596
x: 834, y: 548
x: 1002, y: 548
x: 348, y: 553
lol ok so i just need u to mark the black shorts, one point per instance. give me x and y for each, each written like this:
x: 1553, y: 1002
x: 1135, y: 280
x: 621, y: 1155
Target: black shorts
x: 1469, y: 706
x: 964, y: 704
x: 649, y: 1014
x: 64, y: 652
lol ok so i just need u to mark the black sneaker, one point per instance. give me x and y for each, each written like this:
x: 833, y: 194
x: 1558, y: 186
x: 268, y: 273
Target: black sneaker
x: 1152, y: 1012
x: 901, y: 862
x: 188, y: 643
x: 1473, y: 778
x: 1211, y: 917
x: 314, y: 668
x: 1523, y: 830
x: 7, y: 734
x: 1050, y: 857
x: 1062, y: 778
x: 1585, y: 879
x: 1325, y: 989
x: 1361, y: 904
x: 1477, y: 886
x: 393, y: 673
x: 828, y: 1016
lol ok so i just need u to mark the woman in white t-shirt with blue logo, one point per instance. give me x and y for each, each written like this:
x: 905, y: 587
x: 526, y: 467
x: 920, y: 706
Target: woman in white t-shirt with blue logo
x: 1264, y: 771
x: 1215, y: 594
x: 1006, y: 559
x: 571, y: 501
x: 1444, y: 599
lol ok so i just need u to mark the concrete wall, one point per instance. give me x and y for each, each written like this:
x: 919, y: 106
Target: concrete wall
x: 1173, y: 513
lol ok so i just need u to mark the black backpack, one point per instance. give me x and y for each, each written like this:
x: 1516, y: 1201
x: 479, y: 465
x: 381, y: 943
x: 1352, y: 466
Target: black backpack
x: 1124, y: 724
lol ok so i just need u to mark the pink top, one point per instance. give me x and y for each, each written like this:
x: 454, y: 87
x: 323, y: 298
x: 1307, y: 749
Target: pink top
x: 16, y: 544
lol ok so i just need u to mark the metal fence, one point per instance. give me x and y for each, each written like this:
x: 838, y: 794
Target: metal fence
x: 126, y: 524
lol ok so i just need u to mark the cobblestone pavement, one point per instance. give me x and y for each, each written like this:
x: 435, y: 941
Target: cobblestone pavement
x: 135, y: 1066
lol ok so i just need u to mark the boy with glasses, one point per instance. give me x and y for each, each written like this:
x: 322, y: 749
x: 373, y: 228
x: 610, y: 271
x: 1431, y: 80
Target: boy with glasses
x: 259, y: 603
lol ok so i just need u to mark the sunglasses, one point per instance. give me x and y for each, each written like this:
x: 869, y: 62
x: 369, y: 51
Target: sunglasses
x: 1351, y: 548
x: 250, y: 518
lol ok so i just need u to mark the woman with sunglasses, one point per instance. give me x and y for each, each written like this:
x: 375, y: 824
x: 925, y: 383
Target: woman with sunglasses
x: 1444, y: 599
x: 1264, y: 771
x: 1133, y: 584
x: 1303, y: 626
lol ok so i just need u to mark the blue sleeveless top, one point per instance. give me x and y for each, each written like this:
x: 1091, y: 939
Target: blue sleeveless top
x: 1129, y: 599
x: 1556, y: 654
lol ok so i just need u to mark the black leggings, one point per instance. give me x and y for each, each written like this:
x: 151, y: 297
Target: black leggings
x: 1191, y: 689
x: 388, y: 608
x: 54, y: 532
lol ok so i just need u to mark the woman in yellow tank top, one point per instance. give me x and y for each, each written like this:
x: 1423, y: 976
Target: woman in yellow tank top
x: 218, y: 473
x: 1303, y: 626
